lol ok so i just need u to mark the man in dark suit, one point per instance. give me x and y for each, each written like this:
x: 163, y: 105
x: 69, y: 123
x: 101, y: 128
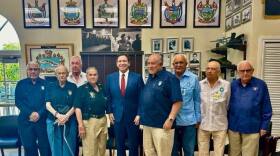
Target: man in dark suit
x: 123, y: 89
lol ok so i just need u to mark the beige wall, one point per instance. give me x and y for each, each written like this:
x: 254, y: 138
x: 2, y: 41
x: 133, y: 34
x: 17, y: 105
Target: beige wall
x: 12, y: 10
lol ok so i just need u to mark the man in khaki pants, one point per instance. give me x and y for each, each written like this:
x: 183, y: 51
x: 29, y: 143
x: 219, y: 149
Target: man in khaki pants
x: 215, y: 94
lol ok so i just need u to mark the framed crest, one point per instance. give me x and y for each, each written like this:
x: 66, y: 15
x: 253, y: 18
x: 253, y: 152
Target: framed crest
x: 207, y: 13
x: 157, y: 45
x: 173, y: 14
x: 139, y: 13
x: 49, y: 56
x: 172, y: 45
x: 105, y: 13
x: 187, y: 44
x: 36, y: 13
x: 71, y: 13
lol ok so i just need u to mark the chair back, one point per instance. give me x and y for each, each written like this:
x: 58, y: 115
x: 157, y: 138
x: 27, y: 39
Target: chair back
x: 9, y: 126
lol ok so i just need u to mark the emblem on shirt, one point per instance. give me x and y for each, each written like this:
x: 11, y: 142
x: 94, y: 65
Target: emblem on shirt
x: 92, y: 95
x: 255, y: 88
x: 222, y: 89
x: 42, y: 87
x: 159, y: 83
x: 69, y: 92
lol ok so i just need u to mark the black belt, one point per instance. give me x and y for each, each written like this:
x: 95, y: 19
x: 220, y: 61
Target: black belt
x: 97, y: 116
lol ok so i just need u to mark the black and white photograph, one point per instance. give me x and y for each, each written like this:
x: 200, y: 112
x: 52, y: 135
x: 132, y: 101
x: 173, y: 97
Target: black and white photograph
x: 236, y: 19
x: 195, y: 70
x: 194, y: 58
x: 229, y: 8
x: 247, y: 14
x: 111, y: 39
x: 187, y: 44
x: 172, y: 44
x: 157, y: 45
x: 166, y: 60
x: 146, y: 56
x: 246, y: 2
x: 228, y: 23
x: 237, y: 4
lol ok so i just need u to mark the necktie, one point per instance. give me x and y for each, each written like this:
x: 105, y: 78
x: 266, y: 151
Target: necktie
x: 123, y: 85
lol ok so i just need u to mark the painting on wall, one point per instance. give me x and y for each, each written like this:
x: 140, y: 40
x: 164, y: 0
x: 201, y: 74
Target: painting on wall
x: 36, y: 13
x: 173, y: 14
x: 139, y: 13
x: 157, y: 45
x: 105, y: 13
x: 49, y: 56
x: 71, y: 13
x: 247, y: 14
x: 207, y: 13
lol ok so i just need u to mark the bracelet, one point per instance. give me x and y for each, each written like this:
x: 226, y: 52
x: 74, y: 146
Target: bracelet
x: 55, y: 114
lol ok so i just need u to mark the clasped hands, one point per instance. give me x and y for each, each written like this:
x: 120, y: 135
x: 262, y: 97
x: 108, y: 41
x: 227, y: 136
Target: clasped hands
x: 61, y: 119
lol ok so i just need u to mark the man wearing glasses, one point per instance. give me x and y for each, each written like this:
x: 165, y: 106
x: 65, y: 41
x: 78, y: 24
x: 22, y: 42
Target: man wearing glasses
x: 30, y: 100
x: 249, y: 111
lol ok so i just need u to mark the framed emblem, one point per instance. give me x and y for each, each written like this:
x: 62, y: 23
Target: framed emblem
x: 173, y: 13
x: 207, y: 13
x: 36, y: 13
x: 139, y: 13
x: 71, y: 13
x: 105, y: 13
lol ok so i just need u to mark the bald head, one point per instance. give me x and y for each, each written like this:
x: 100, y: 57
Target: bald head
x: 245, y: 71
x: 213, y: 71
x: 154, y: 63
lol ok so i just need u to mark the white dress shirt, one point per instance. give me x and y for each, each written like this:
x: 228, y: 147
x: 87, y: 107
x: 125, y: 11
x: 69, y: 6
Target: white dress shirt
x: 125, y: 77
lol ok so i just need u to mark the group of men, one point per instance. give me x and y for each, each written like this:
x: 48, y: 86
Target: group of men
x: 172, y: 107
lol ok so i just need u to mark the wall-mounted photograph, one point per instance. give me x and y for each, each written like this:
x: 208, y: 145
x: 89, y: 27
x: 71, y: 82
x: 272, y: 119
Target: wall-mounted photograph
x: 207, y: 13
x: 71, y: 13
x: 105, y: 13
x: 36, y: 14
x: 246, y: 14
x: 157, y: 45
x: 246, y: 2
x: 236, y: 19
x: 237, y: 4
x: 172, y: 45
x: 228, y: 23
x: 194, y: 58
x: 139, y: 13
x: 229, y: 8
x: 166, y: 59
x: 187, y: 44
x: 49, y: 56
x: 173, y: 14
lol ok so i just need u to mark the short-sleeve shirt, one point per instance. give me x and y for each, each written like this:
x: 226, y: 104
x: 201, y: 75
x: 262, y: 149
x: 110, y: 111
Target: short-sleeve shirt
x: 90, y: 101
x: 159, y: 94
x: 61, y: 98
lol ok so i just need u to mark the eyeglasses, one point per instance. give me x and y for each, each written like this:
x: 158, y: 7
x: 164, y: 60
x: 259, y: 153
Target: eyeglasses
x: 34, y: 69
x: 245, y: 70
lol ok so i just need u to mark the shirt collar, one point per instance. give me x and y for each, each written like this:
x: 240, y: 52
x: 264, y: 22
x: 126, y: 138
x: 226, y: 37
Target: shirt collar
x: 205, y: 81
x: 250, y: 82
x: 126, y: 73
x: 71, y: 75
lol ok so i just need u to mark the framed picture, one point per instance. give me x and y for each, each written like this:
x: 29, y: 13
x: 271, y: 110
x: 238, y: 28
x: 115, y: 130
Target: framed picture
x: 236, y: 19
x: 228, y: 24
x: 246, y: 14
x: 166, y: 59
x: 236, y: 4
x: 246, y: 2
x: 172, y: 45
x: 139, y: 13
x: 187, y: 44
x: 207, y: 13
x: 146, y: 56
x: 229, y: 8
x: 49, y: 56
x: 105, y: 13
x: 36, y: 13
x: 195, y: 70
x: 157, y: 45
x: 173, y: 14
x: 71, y: 13
x: 194, y: 58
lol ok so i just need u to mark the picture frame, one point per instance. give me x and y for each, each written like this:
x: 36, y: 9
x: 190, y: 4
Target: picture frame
x: 71, y: 13
x: 36, y: 15
x: 157, y: 45
x: 246, y: 2
x: 207, y: 17
x: 172, y: 45
x: 49, y: 56
x: 105, y: 13
x: 236, y: 19
x: 166, y: 59
x: 145, y: 59
x: 173, y: 14
x: 228, y: 9
x: 194, y: 59
x: 246, y: 14
x: 236, y: 5
x: 187, y: 44
x: 228, y: 23
x: 139, y: 14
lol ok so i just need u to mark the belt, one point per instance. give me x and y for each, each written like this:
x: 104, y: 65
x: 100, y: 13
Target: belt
x: 97, y: 116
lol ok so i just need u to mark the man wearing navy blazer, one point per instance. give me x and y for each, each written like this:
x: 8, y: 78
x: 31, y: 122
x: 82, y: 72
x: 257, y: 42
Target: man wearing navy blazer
x: 123, y: 90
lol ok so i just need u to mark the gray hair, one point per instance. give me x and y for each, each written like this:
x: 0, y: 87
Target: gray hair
x: 218, y: 65
x: 91, y: 68
x: 181, y: 55
x: 244, y: 62
x: 61, y: 66
x: 32, y: 63
x: 76, y: 57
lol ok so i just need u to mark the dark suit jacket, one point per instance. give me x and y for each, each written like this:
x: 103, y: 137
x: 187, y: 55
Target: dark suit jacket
x: 128, y: 104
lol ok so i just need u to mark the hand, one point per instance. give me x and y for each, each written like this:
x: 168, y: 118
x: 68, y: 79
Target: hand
x: 62, y: 118
x: 112, y: 118
x: 197, y: 125
x: 82, y: 131
x: 34, y: 117
x: 136, y: 120
x: 262, y: 132
x: 168, y: 124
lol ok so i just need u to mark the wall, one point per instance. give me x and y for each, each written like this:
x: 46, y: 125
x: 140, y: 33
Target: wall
x: 12, y: 10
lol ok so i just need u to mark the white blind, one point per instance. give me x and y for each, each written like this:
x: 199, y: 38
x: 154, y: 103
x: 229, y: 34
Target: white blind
x: 271, y: 75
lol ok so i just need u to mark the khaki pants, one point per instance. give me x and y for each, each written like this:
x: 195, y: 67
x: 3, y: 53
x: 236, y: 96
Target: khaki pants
x: 157, y: 141
x: 94, y: 144
x: 219, y: 138
x: 243, y: 144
